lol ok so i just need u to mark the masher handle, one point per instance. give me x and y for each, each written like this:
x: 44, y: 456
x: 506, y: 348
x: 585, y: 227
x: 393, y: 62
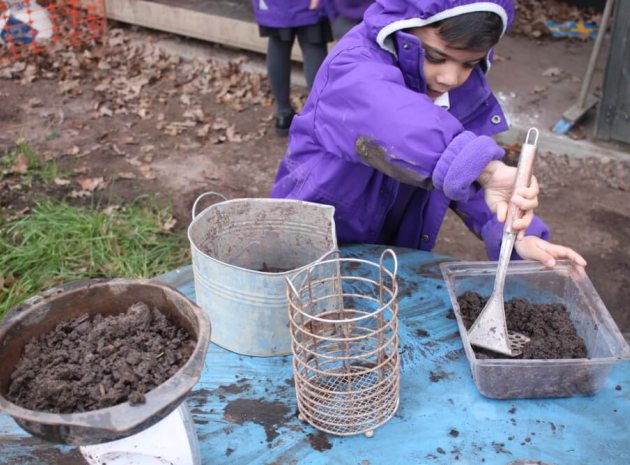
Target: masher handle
x: 523, y: 173
x: 523, y: 178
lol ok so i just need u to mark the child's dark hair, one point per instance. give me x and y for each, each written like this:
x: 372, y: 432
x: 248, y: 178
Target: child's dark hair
x: 478, y: 31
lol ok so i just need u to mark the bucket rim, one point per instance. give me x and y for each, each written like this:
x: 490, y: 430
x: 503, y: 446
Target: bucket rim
x: 323, y: 206
x: 329, y: 209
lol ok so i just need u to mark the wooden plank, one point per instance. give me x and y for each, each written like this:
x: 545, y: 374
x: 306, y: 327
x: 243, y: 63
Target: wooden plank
x: 197, y: 19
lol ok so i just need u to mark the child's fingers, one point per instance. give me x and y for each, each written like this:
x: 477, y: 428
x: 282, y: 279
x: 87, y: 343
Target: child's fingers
x: 528, y: 193
x: 523, y: 203
x: 502, y: 208
x: 534, y: 187
x: 560, y: 251
x: 521, y: 224
x: 531, y: 250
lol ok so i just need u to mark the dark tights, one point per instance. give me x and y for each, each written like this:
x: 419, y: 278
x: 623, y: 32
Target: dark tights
x: 279, y: 68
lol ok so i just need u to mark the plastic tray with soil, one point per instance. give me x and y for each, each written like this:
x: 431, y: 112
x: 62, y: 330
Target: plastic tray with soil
x: 575, y: 341
x: 97, y: 361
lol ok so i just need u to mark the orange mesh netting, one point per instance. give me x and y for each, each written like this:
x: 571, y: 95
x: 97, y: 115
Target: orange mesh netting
x: 29, y: 26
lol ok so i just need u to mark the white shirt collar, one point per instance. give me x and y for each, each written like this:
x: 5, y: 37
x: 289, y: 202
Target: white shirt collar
x: 443, y: 101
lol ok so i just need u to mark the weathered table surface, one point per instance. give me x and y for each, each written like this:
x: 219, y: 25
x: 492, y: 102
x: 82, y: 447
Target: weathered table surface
x: 244, y: 407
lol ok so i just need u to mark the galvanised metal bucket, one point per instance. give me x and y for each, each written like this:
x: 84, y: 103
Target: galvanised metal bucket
x: 242, y: 252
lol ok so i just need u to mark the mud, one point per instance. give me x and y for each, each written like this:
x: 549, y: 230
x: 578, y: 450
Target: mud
x: 552, y: 333
x: 439, y: 375
x: 272, y: 269
x: 269, y: 415
x: 319, y: 441
x: 18, y: 451
x: 88, y: 364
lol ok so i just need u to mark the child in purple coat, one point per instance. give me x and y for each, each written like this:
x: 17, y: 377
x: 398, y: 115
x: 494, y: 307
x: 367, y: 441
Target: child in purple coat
x: 281, y: 21
x: 398, y: 126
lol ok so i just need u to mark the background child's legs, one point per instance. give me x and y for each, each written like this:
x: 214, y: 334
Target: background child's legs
x: 279, y: 72
x: 341, y: 25
x: 313, y: 54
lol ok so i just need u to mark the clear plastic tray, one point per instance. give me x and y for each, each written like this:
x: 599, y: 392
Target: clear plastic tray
x: 566, y: 284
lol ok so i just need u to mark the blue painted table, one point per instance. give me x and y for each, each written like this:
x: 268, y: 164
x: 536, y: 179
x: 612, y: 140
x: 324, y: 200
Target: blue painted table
x: 244, y: 407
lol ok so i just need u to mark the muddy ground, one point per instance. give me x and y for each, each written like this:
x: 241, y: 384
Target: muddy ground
x: 126, y: 120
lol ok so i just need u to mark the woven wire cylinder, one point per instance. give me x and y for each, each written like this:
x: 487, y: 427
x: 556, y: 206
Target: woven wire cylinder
x: 343, y: 317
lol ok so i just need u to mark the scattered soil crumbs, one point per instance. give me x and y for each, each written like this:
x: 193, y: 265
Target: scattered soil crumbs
x: 319, y: 441
x: 553, y: 335
x: 269, y: 415
x: 87, y: 364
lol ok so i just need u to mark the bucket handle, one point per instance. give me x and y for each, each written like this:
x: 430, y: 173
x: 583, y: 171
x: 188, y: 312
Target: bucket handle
x: 201, y: 196
x: 381, y: 264
x: 323, y: 258
x: 381, y: 272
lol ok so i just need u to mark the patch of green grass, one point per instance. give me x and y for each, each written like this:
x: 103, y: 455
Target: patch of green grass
x: 57, y: 243
x: 48, y: 171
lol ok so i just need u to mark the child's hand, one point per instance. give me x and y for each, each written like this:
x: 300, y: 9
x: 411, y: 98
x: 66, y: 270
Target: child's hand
x: 498, y: 180
x: 535, y: 248
x: 313, y: 4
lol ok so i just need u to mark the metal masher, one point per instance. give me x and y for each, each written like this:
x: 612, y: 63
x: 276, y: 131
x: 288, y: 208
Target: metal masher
x: 489, y: 331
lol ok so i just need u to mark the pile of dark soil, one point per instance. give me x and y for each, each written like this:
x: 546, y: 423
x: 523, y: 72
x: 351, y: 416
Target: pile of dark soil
x: 87, y: 364
x: 552, y: 332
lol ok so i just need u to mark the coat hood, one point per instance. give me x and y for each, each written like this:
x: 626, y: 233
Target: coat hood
x: 385, y: 17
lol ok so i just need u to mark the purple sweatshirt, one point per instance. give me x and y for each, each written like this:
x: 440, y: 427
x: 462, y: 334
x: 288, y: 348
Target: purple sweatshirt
x: 368, y: 124
x: 286, y: 13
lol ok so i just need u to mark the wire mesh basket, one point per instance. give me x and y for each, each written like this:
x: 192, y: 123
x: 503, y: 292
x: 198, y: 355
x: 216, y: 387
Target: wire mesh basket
x: 343, y: 316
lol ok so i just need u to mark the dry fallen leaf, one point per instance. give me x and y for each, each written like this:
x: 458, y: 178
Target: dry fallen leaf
x: 66, y: 87
x: 232, y: 134
x: 551, y: 72
x: 61, y: 182
x: 91, y: 184
x: 74, y: 150
x: 111, y: 209
x: 6, y: 281
x: 117, y: 150
x: 16, y: 216
x: 134, y: 161
x: 126, y: 175
x: 80, y: 194
x: 35, y: 102
x: 144, y: 113
x: 203, y: 131
x: 20, y: 165
x: 210, y: 175
x: 539, y: 89
x: 169, y: 223
x: 147, y: 172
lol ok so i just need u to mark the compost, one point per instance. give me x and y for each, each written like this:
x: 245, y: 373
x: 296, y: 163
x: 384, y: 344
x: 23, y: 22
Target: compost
x: 87, y: 364
x: 552, y: 333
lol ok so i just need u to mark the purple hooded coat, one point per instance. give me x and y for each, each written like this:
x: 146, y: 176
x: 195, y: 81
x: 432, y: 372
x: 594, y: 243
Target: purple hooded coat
x: 283, y: 13
x: 368, y: 125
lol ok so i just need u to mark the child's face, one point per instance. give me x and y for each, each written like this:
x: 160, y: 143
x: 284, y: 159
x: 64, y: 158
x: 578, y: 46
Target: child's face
x: 445, y: 68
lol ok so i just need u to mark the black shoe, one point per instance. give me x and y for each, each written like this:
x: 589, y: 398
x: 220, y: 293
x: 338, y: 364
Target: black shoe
x: 283, y: 123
